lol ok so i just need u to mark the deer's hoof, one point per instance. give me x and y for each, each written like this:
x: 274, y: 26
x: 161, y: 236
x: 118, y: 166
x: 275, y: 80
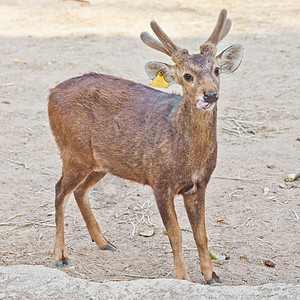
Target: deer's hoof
x: 110, y: 247
x: 215, y: 279
x: 211, y: 281
x: 218, y: 280
x: 62, y: 263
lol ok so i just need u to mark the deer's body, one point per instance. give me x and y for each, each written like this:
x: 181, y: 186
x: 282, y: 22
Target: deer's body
x: 147, y: 131
x: 106, y: 124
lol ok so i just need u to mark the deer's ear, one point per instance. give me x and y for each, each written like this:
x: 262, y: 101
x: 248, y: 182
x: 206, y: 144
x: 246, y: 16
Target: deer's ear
x: 231, y: 58
x: 152, y: 69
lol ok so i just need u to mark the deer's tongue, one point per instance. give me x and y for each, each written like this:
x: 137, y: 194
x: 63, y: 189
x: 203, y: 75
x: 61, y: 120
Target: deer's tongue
x: 203, y: 105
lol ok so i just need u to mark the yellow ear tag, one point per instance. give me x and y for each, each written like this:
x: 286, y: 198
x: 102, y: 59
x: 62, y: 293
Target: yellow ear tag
x: 159, y: 81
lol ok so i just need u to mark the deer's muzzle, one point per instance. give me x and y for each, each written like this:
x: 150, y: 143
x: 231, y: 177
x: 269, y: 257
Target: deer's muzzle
x: 210, y: 97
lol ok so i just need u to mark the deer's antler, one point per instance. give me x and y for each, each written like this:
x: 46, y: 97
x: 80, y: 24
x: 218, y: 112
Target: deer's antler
x: 221, y: 29
x: 166, y: 46
x: 162, y: 36
x: 153, y: 43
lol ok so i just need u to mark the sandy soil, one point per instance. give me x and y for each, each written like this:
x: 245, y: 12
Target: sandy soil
x: 45, y: 42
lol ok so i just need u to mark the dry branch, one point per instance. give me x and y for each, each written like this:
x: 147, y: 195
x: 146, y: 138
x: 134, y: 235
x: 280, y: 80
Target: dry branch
x: 239, y: 126
x: 142, y: 211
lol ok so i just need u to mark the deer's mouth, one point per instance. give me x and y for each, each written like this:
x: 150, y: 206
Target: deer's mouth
x: 203, y: 105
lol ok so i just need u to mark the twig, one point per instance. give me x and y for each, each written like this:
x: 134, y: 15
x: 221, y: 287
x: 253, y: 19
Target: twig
x: 20, y: 225
x: 46, y: 173
x: 234, y: 178
x: 19, y: 163
x: 187, y: 230
x: 238, y: 124
x: 230, y: 130
x: 144, y: 217
x: 40, y: 235
x: 8, y: 252
x: 244, y: 223
x: 236, y: 241
x: 295, y: 214
x: 6, y: 84
x: 236, y: 130
x: 236, y: 108
x: 140, y: 276
x: 134, y: 227
x: 44, y: 190
x: 227, y: 196
x: 130, y: 192
x: 82, y: 1
x: 252, y: 122
x: 108, y: 271
x: 89, y: 271
x: 148, y: 221
x: 283, y: 128
x: 9, y: 219
x: 37, y: 223
x: 113, y: 279
x: 261, y: 240
x: 220, y: 224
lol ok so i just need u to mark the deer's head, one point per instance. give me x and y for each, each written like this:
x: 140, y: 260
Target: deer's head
x: 198, y: 74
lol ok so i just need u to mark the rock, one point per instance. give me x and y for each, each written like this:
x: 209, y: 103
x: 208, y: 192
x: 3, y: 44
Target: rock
x: 270, y: 166
x: 266, y: 190
x: 39, y: 282
x: 269, y: 263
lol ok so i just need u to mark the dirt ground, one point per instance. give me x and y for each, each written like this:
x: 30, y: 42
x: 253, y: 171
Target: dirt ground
x: 251, y: 212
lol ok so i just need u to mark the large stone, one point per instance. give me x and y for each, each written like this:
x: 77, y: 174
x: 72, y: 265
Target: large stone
x: 39, y: 282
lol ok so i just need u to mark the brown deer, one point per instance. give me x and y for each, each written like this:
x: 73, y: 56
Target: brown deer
x: 107, y: 124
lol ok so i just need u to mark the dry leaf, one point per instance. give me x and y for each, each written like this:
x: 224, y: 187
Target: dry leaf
x: 147, y: 232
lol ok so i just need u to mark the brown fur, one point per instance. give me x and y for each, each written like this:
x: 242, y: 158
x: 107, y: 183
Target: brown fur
x: 134, y: 132
x: 106, y: 124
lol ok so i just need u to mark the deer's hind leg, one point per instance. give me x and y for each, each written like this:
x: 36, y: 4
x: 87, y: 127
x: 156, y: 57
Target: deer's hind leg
x: 81, y: 196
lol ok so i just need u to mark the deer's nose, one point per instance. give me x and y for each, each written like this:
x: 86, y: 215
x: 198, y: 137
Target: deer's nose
x: 210, y: 97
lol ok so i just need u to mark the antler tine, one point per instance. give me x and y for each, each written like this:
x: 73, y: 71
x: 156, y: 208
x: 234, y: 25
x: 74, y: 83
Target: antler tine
x: 226, y: 29
x: 153, y: 43
x: 162, y: 36
x: 217, y: 33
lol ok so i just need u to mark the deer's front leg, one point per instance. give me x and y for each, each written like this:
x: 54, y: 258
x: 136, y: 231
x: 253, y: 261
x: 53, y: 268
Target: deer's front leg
x: 166, y: 208
x: 195, y: 207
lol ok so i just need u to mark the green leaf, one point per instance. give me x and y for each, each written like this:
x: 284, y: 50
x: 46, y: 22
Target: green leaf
x: 216, y: 257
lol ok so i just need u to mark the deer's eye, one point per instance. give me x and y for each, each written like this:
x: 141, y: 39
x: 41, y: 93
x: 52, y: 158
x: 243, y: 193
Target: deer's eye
x: 188, y: 77
x: 217, y: 71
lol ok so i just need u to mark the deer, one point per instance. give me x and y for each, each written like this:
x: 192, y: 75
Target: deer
x: 104, y: 124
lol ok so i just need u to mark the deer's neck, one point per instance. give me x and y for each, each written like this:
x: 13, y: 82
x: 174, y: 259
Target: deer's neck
x: 198, y: 127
